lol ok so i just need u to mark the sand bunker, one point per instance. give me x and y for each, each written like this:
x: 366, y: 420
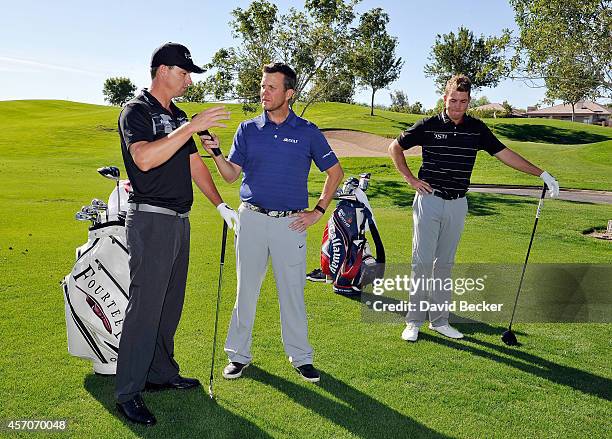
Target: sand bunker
x: 346, y: 143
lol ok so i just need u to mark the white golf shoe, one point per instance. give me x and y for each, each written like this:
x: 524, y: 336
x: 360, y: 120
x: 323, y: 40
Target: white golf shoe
x: 447, y: 331
x: 411, y: 332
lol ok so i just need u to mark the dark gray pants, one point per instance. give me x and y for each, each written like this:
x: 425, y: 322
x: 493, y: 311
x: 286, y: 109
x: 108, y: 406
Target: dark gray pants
x: 158, y: 245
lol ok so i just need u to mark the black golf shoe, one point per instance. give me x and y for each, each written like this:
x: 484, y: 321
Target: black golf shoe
x: 136, y: 411
x: 316, y: 275
x: 234, y: 370
x: 176, y: 383
x: 309, y: 373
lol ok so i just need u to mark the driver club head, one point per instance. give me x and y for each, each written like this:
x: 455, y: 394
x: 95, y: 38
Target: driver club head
x: 509, y: 338
x: 110, y: 172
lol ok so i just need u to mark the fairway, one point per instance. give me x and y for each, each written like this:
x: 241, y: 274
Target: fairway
x: 373, y: 384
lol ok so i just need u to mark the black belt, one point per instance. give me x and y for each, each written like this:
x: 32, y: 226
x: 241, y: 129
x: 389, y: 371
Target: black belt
x: 446, y: 195
x: 269, y: 212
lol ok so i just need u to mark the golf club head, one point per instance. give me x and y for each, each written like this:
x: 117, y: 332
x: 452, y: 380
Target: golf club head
x: 210, y: 392
x: 110, y: 172
x: 98, y: 204
x: 81, y: 216
x: 509, y: 338
x: 89, y: 210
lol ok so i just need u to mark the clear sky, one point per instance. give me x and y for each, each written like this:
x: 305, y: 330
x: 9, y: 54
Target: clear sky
x: 66, y: 49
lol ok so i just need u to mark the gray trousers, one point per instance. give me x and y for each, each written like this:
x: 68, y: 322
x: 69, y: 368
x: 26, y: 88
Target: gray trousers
x: 158, y: 247
x: 437, y: 227
x: 262, y: 237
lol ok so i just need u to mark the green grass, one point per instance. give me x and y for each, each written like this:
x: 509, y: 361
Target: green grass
x: 374, y: 385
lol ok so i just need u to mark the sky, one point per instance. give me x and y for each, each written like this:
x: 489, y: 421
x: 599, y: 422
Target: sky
x: 66, y: 49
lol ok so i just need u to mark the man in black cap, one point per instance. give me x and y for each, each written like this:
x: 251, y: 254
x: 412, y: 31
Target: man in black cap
x: 161, y: 159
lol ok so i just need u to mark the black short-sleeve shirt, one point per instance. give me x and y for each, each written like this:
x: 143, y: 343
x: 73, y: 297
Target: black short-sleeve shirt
x: 449, y: 150
x: 168, y: 185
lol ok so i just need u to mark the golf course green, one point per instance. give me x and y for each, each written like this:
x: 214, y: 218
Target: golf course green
x: 373, y: 384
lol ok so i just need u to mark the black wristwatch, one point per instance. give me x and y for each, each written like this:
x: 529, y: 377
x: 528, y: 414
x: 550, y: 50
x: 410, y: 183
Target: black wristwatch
x: 320, y: 209
x: 216, y: 151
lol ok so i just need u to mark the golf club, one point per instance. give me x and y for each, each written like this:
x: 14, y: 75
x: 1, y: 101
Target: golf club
x: 212, y: 365
x: 91, y: 212
x: 99, y: 205
x: 82, y: 216
x: 112, y: 173
x: 508, y: 337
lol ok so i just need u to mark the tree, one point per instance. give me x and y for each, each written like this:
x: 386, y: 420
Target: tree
x: 479, y: 101
x: 119, y: 90
x: 333, y: 85
x: 315, y: 42
x: 508, y: 109
x: 196, y: 92
x: 439, y: 108
x: 570, y: 84
x: 416, y: 108
x: 566, y: 44
x: 399, y: 101
x: 374, y: 61
x: 481, y: 59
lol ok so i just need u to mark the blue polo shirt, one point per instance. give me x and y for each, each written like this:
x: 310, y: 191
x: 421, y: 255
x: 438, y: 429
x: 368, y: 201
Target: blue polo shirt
x: 276, y: 159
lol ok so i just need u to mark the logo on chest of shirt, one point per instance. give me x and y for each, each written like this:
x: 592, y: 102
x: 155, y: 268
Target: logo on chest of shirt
x: 287, y: 139
x: 440, y: 136
x: 162, y: 123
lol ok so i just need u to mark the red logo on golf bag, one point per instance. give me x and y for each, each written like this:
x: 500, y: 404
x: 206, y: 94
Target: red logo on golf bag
x: 97, y: 309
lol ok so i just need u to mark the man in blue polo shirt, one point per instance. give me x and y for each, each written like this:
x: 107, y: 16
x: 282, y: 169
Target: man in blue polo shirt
x: 274, y: 152
x: 450, y: 142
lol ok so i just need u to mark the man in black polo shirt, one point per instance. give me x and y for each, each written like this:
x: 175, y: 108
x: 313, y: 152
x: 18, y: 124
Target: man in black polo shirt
x: 161, y: 159
x: 450, y: 142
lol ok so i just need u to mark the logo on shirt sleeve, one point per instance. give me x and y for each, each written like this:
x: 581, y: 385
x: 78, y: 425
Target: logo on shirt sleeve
x: 440, y: 136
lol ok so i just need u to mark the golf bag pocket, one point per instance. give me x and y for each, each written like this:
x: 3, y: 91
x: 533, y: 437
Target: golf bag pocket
x: 345, y: 252
x: 96, y: 297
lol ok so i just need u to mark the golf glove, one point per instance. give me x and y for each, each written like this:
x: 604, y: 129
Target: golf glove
x: 552, y: 184
x: 229, y: 215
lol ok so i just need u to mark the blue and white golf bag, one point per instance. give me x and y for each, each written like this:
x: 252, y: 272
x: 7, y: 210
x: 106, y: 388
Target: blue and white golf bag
x: 345, y: 252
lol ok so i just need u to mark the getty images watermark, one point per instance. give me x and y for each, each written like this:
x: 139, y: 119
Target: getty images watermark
x: 485, y: 293
x: 416, y: 285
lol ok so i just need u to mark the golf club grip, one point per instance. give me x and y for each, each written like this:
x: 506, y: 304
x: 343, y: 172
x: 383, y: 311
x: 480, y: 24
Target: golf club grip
x: 223, y: 242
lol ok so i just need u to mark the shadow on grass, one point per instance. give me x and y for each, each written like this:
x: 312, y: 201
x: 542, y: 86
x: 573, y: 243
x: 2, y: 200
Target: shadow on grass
x: 468, y: 326
x: 479, y: 204
x: 485, y: 204
x: 547, y: 134
x: 400, y: 125
x: 358, y: 413
x: 576, y: 379
x: 395, y: 191
x: 189, y: 413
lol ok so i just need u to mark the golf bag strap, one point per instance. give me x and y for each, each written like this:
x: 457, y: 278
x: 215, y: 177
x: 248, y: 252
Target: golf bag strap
x: 380, y: 248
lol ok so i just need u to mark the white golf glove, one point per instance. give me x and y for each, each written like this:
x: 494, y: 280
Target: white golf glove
x: 552, y: 184
x: 229, y: 215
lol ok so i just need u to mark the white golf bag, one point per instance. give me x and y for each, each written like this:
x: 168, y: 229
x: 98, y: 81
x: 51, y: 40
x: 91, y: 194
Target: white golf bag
x: 96, y: 290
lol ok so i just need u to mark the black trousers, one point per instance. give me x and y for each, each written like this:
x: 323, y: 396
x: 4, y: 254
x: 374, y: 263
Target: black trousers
x: 158, y: 248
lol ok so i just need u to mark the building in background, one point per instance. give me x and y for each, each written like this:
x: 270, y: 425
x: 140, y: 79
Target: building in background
x: 584, y: 111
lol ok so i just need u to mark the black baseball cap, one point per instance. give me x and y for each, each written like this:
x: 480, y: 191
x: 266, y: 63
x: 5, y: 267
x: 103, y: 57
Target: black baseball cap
x: 174, y: 54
